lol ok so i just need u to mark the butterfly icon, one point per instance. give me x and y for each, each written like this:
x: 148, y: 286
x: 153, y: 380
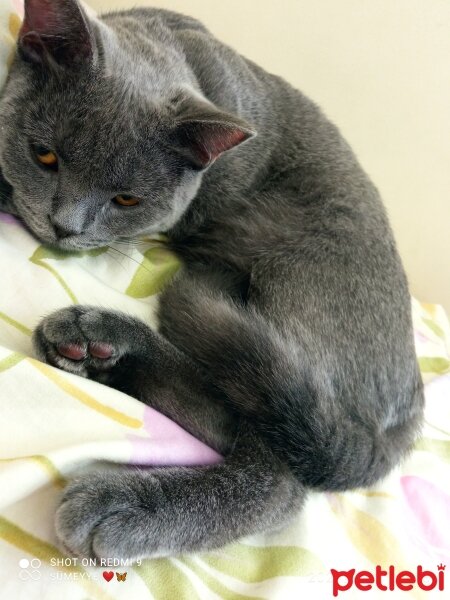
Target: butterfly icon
x: 121, y: 576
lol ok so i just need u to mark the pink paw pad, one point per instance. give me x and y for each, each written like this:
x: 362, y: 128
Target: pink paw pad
x: 72, y: 351
x: 101, y: 350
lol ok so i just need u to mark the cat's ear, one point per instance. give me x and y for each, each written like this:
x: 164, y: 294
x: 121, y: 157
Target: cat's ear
x: 56, y: 32
x: 203, y: 133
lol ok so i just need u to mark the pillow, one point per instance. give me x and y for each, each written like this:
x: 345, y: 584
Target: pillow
x: 11, y: 12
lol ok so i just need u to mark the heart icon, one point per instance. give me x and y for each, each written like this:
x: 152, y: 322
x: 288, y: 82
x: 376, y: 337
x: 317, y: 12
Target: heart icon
x: 108, y: 575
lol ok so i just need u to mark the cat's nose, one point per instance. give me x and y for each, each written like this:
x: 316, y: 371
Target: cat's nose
x: 67, y: 221
x: 62, y: 232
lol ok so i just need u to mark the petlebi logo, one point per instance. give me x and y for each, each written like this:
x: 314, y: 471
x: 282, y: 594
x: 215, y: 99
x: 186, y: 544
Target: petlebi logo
x: 388, y: 580
x: 29, y: 569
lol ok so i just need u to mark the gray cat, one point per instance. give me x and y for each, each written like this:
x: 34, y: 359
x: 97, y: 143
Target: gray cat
x: 286, y: 342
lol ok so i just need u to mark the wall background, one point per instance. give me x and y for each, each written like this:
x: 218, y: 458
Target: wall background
x: 380, y: 69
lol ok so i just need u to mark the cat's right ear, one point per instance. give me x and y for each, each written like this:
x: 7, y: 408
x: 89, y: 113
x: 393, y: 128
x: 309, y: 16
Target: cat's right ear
x: 203, y: 132
x: 56, y: 32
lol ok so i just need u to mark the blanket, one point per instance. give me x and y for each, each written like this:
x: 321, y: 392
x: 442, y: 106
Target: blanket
x: 55, y: 424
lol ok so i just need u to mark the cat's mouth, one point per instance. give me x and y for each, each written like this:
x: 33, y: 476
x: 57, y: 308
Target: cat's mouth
x: 47, y: 235
x: 73, y: 243
x: 69, y: 245
x: 77, y: 243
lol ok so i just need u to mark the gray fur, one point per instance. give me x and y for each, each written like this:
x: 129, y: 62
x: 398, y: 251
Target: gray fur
x: 286, y: 342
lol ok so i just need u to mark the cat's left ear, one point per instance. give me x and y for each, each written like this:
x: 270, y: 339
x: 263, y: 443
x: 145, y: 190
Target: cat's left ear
x: 56, y: 31
x: 204, y: 132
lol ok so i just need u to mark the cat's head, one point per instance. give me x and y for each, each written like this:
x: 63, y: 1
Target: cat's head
x: 102, y: 137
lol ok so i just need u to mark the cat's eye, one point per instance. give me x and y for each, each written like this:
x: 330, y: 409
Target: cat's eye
x: 47, y: 158
x: 124, y: 200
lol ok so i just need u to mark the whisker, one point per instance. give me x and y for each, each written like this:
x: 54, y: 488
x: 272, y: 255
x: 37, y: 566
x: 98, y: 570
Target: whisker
x: 139, y: 241
x: 141, y: 264
x: 128, y: 243
x: 116, y: 260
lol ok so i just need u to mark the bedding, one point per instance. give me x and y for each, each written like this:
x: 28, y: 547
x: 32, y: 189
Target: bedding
x: 54, y: 424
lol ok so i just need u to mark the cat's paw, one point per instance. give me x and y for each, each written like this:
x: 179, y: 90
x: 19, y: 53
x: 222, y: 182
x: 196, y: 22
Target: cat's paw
x: 86, y: 340
x: 108, y: 515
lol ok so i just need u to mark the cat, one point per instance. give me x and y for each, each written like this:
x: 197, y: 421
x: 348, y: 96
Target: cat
x: 286, y: 340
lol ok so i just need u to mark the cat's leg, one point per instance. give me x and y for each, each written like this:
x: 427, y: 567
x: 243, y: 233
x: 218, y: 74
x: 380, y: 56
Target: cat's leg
x: 133, y: 513
x: 124, y: 353
x: 333, y: 437
x: 153, y: 512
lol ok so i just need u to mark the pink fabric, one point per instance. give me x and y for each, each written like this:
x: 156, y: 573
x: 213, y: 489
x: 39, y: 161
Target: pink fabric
x: 9, y: 219
x: 168, y: 444
x: 427, y: 505
x: 18, y: 5
x: 429, y: 516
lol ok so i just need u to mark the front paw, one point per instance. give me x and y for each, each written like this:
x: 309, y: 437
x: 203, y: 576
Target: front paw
x: 112, y: 515
x: 86, y: 340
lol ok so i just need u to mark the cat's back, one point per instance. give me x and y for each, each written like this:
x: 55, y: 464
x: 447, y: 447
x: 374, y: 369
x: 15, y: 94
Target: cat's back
x: 297, y: 148
x: 136, y: 18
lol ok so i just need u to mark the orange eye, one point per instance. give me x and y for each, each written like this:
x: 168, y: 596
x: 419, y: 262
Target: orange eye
x: 125, y: 200
x: 47, y: 158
